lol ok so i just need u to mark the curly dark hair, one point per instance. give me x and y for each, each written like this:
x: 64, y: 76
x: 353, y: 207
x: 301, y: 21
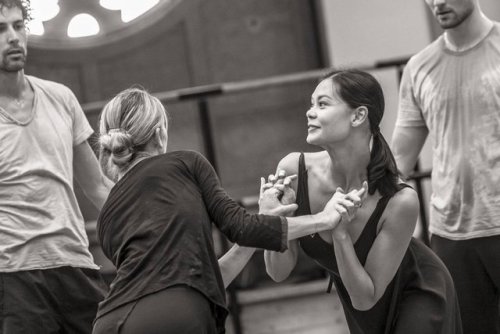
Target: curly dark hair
x: 23, y: 5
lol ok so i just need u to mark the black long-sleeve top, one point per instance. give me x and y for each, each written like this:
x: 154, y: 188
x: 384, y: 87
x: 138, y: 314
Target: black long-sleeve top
x: 156, y: 228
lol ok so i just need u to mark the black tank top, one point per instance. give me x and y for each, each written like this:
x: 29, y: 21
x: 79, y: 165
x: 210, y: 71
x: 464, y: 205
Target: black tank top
x: 319, y: 249
x: 420, y: 273
x: 323, y: 253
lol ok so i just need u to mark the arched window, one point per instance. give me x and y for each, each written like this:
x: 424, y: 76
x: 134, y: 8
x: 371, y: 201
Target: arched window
x: 65, y: 23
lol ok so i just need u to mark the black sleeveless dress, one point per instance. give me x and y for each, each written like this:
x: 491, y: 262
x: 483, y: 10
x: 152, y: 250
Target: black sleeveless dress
x: 421, y: 297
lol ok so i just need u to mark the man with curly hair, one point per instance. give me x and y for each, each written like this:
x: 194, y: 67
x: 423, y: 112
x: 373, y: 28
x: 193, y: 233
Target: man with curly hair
x: 49, y: 282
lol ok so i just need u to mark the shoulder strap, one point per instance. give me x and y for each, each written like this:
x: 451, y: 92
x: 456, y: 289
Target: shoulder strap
x: 379, y: 209
x: 302, y: 191
x: 302, y: 163
x: 330, y: 283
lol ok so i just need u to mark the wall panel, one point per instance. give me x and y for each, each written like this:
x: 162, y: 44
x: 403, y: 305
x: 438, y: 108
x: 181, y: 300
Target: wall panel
x: 67, y: 74
x: 158, y: 65
x: 204, y: 42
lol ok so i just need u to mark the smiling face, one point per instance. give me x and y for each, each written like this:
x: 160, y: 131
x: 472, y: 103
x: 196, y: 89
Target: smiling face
x: 329, y: 118
x: 451, y: 13
x: 12, y: 40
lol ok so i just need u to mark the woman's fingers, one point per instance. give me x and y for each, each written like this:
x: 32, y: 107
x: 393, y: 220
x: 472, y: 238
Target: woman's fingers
x: 265, y: 186
x: 288, y: 180
x: 357, y: 196
x: 280, y: 175
x: 355, y: 199
x: 344, y: 213
x: 279, y: 186
x: 363, y: 192
x: 345, y: 202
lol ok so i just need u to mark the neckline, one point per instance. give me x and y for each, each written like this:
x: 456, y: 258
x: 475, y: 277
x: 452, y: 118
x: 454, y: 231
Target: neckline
x: 132, y: 170
x: 448, y: 46
x: 305, y: 190
x: 16, y: 121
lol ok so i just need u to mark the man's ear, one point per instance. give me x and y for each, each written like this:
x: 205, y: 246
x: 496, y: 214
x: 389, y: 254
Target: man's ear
x: 359, y: 116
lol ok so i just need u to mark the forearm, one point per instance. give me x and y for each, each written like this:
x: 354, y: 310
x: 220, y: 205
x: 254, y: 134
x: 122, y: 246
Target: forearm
x: 405, y: 163
x: 356, y: 280
x: 99, y: 192
x: 280, y: 265
x: 233, y: 262
x: 89, y: 176
x: 406, y: 145
x: 309, y: 224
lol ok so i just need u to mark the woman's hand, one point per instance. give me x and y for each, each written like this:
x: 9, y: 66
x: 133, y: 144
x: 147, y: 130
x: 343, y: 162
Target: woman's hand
x: 283, y: 183
x: 277, y: 197
x: 347, y: 205
x: 344, y: 205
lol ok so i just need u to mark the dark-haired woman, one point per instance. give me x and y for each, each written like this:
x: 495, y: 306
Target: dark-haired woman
x: 388, y: 282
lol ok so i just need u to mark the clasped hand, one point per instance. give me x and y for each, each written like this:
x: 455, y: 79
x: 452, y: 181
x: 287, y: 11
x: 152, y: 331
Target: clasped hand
x: 346, y: 205
x: 276, y: 195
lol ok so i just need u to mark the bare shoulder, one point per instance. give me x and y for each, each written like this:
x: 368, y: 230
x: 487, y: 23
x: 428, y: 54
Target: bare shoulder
x: 405, y: 199
x: 313, y: 159
x: 402, y: 209
x: 290, y: 163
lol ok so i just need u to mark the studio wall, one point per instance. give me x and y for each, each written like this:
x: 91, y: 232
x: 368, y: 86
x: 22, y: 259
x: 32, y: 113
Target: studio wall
x: 206, y: 42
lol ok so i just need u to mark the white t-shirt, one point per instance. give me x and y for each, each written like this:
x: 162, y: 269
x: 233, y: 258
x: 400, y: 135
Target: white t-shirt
x: 41, y: 225
x: 456, y: 95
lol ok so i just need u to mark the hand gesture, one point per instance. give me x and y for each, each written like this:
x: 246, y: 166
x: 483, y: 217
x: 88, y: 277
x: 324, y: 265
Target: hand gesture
x: 345, y: 205
x: 348, y: 204
x: 347, y: 209
x: 283, y: 183
x: 277, y: 196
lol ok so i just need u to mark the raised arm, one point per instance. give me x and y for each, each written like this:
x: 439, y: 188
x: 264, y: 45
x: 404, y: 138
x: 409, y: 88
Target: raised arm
x: 367, y: 284
x: 236, y: 223
x: 256, y: 230
x: 232, y: 262
x: 88, y: 175
x: 280, y: 265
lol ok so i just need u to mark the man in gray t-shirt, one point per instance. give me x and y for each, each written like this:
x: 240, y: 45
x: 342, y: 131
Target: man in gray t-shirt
x: 49, y: 282
x: 451, y: 90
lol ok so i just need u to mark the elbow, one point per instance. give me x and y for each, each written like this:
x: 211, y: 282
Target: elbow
x: 277, y: 276
x: 276, y: 269
x: 364, y: 303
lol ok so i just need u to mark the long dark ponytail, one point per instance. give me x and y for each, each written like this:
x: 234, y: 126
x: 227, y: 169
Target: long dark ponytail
x: 358, y: 88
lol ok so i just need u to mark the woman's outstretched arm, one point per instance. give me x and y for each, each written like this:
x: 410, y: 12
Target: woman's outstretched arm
x: 256, y: 230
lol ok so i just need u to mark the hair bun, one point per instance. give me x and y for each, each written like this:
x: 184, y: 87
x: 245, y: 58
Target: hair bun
x: 119, y: 143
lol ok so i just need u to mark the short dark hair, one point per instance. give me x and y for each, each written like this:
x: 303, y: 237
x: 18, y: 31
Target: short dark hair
x: 23, y: 5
